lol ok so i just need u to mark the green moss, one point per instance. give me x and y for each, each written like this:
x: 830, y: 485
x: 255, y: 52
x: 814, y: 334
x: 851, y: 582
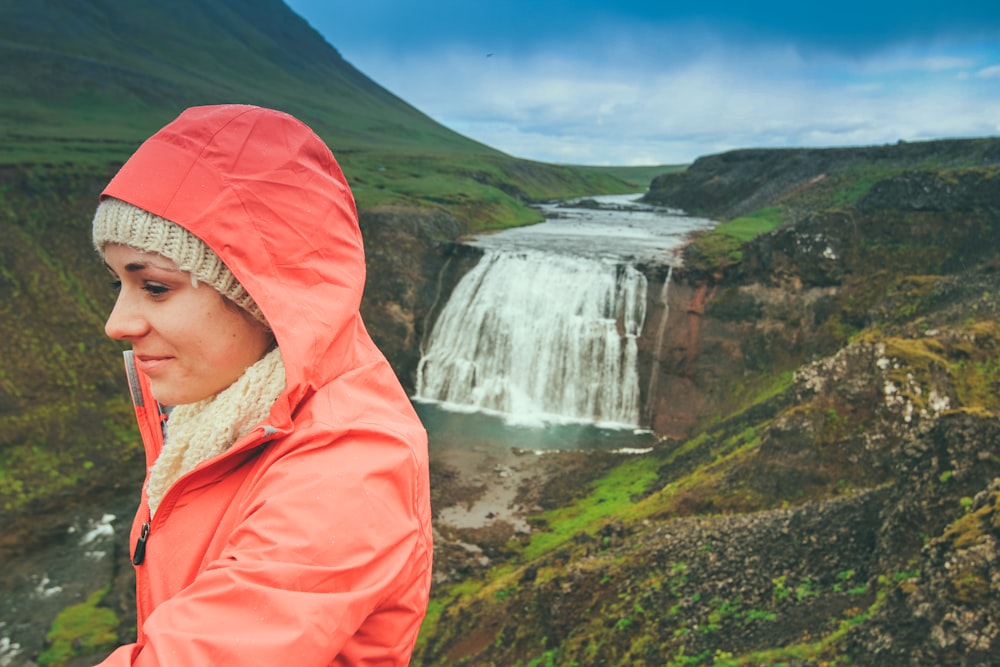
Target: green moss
x: 759, y: 388
x: 825, y: 649
x: 857, y: 181
x: 971, y: 528
x: 975, y: 365
x: 963, y: 360
x: 971, y: 587
x: 612, y: 496
x: 922, y: 358
x: 82, y: 629
x: 720, y: 247
x: 750, y: 226
x: 52, y: 448
x: 712, y: 252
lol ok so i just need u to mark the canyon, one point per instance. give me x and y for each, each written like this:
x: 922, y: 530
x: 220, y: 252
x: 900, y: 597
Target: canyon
x: 821, y: 486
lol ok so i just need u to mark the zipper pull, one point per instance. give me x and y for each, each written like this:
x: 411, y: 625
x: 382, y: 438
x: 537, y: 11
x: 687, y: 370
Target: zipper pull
x: 140, y: 545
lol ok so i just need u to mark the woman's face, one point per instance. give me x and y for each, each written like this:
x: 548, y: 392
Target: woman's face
x: 189, y: 340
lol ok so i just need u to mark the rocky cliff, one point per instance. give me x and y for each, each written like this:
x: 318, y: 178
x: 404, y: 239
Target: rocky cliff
x: 800, y: 291
x: 825, y: 491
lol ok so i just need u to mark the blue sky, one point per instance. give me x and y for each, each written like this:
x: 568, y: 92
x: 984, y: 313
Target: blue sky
x: 627, y: 82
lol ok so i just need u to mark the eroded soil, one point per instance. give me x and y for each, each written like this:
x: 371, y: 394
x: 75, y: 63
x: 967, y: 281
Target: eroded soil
x: 483, y: 498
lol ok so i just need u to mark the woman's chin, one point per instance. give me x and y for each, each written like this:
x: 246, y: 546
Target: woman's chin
x: 167, y: 394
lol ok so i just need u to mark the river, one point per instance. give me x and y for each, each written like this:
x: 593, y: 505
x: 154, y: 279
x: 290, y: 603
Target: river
x: 617, y: 228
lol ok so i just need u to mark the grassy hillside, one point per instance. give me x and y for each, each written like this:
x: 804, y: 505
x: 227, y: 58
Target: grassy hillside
x: 86, y: 82
x: 839, y: 506
x: 802, y: 180
x: 757, y: 190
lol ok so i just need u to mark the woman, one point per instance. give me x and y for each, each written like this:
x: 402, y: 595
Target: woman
x: 285, y: 518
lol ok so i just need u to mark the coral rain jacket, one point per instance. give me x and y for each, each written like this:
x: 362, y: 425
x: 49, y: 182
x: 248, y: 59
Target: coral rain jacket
x: 308, y: 542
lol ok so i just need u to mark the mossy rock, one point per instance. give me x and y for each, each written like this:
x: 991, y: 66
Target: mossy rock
x: 81, y: 629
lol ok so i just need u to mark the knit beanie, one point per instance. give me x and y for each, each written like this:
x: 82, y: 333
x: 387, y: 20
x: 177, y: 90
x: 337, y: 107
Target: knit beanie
x: 116, y: 221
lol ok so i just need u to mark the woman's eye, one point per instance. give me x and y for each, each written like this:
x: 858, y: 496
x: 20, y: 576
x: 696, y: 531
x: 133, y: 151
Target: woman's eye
x: 155, y: 290
x: 116, y: 285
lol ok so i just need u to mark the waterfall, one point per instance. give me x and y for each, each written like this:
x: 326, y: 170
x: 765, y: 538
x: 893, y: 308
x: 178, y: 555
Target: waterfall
x: 539, y: 336
x: 661, y: 329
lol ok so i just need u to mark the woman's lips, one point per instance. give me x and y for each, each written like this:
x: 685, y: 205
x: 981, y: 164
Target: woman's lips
x: 149, y: 363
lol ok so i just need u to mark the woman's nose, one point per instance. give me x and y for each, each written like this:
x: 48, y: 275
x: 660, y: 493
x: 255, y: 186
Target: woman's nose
x: 125, y: 321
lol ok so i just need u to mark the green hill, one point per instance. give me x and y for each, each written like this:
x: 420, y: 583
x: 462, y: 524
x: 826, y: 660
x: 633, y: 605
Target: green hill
x: 86, y: 82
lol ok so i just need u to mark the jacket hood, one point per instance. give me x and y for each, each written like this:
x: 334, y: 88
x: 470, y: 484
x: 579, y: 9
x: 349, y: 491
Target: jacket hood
x: 266, y: 194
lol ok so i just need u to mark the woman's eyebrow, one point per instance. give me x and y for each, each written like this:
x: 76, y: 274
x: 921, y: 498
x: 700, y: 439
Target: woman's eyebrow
x: 135, y: 267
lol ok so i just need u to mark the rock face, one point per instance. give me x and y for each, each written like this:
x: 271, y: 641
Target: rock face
x: 404, y: 258
x: 826, y: 488
x: 947, y: 614
x: 800, y: 289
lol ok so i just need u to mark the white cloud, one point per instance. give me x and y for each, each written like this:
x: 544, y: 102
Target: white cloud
x: 619, y: 104
x: 991, y: 72
x: 908, y: 60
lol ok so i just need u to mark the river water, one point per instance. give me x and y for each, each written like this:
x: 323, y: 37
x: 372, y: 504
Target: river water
x: 536, y: 347
x: 620, y: 229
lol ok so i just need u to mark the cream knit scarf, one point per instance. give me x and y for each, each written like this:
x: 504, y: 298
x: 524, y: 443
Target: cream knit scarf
x: 198, y: 431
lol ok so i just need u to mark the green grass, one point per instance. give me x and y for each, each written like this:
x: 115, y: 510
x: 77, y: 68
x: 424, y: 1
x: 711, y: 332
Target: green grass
x: 858, y: 181
x: 639, y: 177
x: 719, y: 247
x: 79, y: 630
x: 47, y: 450
x: 612, y: 496
x: 79, y: 93
x: 750, y: 226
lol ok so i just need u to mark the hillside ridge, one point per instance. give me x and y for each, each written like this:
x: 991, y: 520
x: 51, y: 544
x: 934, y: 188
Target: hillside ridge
x: 734, y: 183
x: 154, y: 59
x: 87, y: 83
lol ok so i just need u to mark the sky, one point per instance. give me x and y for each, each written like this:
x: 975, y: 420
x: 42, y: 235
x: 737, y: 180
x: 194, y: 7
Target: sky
x: 623, y: 82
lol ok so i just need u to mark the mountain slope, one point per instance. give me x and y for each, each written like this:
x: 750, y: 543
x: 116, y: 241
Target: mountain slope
x: 739, y: 182
x: 86, y: 82
x: 140, y: 63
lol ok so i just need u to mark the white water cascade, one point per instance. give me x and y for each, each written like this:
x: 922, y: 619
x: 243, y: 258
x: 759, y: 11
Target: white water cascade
x: 544, y: 328
x: 540, y: 336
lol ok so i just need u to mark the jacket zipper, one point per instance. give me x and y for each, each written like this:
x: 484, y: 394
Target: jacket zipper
x: 139, y: 554
x: 150, y: 419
